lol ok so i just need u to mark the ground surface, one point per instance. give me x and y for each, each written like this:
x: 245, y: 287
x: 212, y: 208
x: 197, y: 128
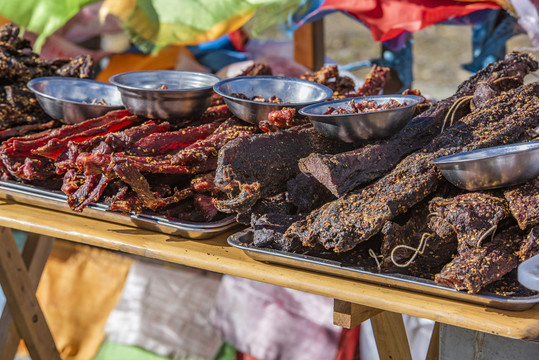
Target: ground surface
x: 439, y: 51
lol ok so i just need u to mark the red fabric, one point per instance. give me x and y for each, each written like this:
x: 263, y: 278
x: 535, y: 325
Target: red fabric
x: 239, y: 39
x: 388, y: 19
x: 349, y: 344
x: 242, y: 356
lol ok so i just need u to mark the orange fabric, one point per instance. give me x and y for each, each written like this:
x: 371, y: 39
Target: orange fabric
x: 79, y: 288
x: 165, y: 59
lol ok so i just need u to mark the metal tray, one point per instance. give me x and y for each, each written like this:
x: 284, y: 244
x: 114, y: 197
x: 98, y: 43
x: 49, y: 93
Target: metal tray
x: 56, y: 200
x: 243, y: 239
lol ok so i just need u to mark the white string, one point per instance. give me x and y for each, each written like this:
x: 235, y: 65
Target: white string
x: 418, y: 250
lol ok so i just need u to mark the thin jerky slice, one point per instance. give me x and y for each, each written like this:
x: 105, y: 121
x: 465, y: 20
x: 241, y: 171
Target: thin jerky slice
x: 474, y: 269
x: 472, y: 215
x: 530, y: 246
x: 524, y: 203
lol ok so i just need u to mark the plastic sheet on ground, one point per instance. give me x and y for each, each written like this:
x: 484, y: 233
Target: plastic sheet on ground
x: 271, y: 322
x: 166, y: 311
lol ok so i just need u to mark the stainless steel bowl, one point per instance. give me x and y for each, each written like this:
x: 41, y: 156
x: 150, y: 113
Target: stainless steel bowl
x: 70, y: 99
x: 491, y: 168
x: 187, y: 93
x: 292, y: 92
x: 361, y: 126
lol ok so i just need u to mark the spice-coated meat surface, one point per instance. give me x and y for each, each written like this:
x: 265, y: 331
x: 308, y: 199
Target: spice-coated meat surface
x: 346, y: 222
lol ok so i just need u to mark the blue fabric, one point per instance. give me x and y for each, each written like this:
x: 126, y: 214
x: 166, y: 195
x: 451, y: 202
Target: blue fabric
x: 2, y: 300
x: 217, y: 54
x: 217, y: 59
x: 489, y: 38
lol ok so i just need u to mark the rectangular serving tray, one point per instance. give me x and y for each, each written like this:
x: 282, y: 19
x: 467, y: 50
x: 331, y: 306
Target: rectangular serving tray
x: 243, y: 239
x: 56, y: 200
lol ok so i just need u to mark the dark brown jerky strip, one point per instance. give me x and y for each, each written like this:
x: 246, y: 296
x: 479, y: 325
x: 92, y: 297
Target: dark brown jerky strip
x: 530, y: 245
x: 344, y: 172
x: 356, y: 217
x: 474, y: 269
x: 257, y: 166
x: 473, y: 216
x: 524, y: 203
x: 307, y: 193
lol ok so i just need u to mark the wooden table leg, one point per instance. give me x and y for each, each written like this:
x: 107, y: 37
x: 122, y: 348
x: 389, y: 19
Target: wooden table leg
x: 309, y: 45
x: 390, y: 336
x: 35, y: 255
x: 348, y: 315
x: 21, y: 299
x: 434, y: 346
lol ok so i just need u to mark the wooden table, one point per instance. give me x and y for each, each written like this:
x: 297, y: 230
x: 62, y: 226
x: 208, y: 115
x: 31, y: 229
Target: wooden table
x: 355, y: 301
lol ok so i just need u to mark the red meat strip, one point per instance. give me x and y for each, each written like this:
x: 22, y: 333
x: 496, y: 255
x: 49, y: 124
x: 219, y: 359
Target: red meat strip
x: 216, y: 112
x: 54, y: 147
x: 281, y: 119
x: 89, y: 192
x: 23, y: 146
x: 205, y: 204
x: 112, y: 141
x: 140, y: 185
x: 162, y: 143
x: 71, y: 182
x: 25, y: 129
x: 374, y: 82
x: 205, y: 183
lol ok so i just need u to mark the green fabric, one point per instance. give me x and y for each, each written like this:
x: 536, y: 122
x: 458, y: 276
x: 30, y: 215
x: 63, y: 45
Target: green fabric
x: 42, y: 17
x: 152, y: 25
x: 113, y: 351
x: 226, y: 352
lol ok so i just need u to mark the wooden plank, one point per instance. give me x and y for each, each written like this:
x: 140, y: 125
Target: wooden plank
x: 390, y: 336
x: 434, y: 347
x: 348, y: 315
x: 35, y: 254
x: 309, y: 45
x: 21, y: 299
x: 215, y: 255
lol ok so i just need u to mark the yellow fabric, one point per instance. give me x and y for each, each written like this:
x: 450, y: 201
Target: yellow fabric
x: 214, y: 32
x: 79, y: 287
x: 164, y: 60
x: 159, y: 34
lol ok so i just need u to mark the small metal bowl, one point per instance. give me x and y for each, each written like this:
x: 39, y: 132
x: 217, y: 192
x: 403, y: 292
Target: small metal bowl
x: 69, y: 100
x: 292, y: 92
x: 361, y: 126
x: 187, y: 93
x: 491, y: 168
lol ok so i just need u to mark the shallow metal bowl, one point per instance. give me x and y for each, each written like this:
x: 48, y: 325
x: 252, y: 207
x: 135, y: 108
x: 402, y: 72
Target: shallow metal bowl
x: 361, y: 126
x: 491, y: 168
x: 187, y: 93
x: 70, y: 99
x: 528, y: 273
x: 292, y: 92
